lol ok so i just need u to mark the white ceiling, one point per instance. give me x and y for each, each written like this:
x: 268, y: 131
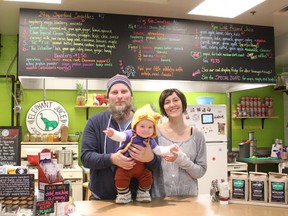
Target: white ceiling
x: 267, y: 14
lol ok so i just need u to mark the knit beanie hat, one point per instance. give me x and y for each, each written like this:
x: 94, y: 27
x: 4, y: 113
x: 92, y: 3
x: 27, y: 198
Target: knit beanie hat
x: 147, y: 113
x: 118, y: 79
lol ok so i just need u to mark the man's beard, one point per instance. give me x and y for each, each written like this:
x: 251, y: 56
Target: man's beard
x: 120, y: 113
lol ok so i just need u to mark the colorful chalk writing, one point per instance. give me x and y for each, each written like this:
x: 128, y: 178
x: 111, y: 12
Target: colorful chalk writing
x: 93, y: 45
x: 10, y: 140
x: 44, y: 207
x: 57, y: 192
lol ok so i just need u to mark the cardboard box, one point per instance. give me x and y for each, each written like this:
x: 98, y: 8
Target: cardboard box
x: 45, y: 161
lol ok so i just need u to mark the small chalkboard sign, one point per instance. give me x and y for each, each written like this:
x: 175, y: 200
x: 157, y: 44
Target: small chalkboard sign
x: 10, y: 145
x: 17, y: 190
x: 17, y: 185
x: 57, y: 192
x: 44, y: 207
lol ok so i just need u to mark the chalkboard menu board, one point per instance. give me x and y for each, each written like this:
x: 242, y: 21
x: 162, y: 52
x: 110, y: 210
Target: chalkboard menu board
x: 94, y: 45
x: 17, y: 191
x: 10, y: 145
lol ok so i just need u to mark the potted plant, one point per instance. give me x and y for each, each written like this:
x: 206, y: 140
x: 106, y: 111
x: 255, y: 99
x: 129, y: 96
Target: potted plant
x: 80, y: 100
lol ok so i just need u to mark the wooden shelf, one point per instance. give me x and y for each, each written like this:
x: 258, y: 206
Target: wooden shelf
x: 87, y: 107
x: 283, y: 205
x: 257, y: 117
x: 49, y: 143
x: 282, y: 90
x: 91, y: 106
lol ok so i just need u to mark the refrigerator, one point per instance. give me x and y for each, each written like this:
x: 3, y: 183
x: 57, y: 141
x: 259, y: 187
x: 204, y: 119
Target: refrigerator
x: 212, y: 121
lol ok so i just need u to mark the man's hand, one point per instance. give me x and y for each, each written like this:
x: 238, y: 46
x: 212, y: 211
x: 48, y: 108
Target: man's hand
x: 120, y: 160
x: 140, y: 153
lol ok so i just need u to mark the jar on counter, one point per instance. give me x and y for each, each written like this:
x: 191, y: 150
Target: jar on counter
x: 247, y: 110
x: 259, y: 110
x: 38, y: 138
x: 255, y: 101
x: 64, y: 134
x: 50, y: 137
x: 239, y: 109
x: 44, y: 138
x: 258, y: 101
x: 284, y: 153
x: 56, y: 138
x: 248, y: 101
x: 255, y: 111
x: 251, y: 111
x: 267, y: 101
x: 271, y: 101
x: 26, y: 137
x: 33, y: 137
x: 243, y: 111
x: 269, y: 111
x: 263, y: 110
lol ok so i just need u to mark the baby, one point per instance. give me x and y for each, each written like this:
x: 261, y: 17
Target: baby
x: 143, y: 129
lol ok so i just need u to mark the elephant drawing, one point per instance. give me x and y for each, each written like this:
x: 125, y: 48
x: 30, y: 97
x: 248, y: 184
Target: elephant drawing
x: 48, y: 124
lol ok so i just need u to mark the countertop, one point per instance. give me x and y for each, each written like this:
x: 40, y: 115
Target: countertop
x: 261, y: 160
x: 183, y: 206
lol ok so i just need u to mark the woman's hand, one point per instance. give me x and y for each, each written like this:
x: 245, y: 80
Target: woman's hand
x: 140, y: 153
x: 120, y: 160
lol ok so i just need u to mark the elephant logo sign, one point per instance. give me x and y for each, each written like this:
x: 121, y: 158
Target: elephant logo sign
x: 46, y: 117
x: 48, y: 123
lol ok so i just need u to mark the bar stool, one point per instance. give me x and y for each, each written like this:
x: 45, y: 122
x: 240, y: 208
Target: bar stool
x: 282, y: 166
x: 87, y: 192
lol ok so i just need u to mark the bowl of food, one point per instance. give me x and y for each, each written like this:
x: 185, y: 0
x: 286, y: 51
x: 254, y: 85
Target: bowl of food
x: 73, y: 137
x: 33, y: 159
x: 205, y: 100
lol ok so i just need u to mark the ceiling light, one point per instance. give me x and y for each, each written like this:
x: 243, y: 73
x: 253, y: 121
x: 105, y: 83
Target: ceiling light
x: 38, y: 1
x: 224, y: 8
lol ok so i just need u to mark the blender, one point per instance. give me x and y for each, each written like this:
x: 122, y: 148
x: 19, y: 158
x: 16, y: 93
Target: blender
x: 276, y: 147
x: 253, y: 143
x: 247, y: 148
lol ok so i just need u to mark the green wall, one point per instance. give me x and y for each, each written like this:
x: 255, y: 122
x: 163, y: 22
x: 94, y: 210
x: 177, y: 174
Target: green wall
x: 7, y: 54
x: 77, y: 116
x: 273, y: 128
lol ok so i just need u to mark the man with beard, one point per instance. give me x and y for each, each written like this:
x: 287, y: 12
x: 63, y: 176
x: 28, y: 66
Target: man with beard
x: 98, y: 152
